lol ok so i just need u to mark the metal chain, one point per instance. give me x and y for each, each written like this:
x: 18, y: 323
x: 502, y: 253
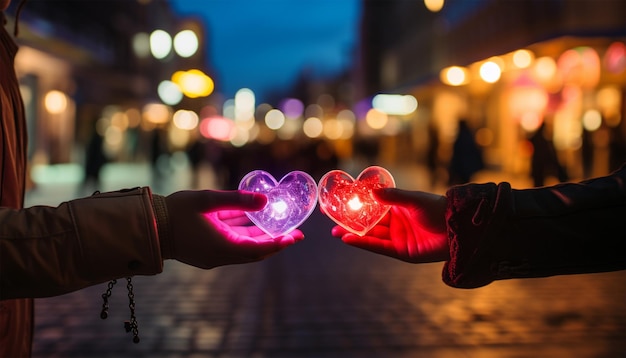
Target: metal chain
x: 128, y: 325
x: 132, y: 324
x: 105, y: 299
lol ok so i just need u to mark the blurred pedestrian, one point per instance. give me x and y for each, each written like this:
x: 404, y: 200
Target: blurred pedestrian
x: 467, y: 157
x: 47, y: 251
x: 95, y: 159
x: 544, y: 160
x: 488, y: 232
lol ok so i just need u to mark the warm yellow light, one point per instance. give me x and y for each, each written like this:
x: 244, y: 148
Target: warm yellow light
x: 592, y: 119
x: 454, y: 75
x: 490, y: 72
x: 333, y: 129
x: 530, y: 121
x: 187, y: 120
x: 347, y: 128
x: 434, y: 5
x: 156, y: 113
x: 193, y: 83
x: 120, y: 120
x: 312, y: 127
x: 376, y: 119
x: 545, y: 68
x: 523, y: 58
x: 55, y: 102
x: 134, y: 117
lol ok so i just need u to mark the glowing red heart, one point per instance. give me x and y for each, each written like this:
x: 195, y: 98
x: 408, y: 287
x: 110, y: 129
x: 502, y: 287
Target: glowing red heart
x: 351, y: 203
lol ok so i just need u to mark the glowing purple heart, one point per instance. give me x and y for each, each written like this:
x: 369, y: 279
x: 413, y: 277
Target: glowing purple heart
x: 289, y: 202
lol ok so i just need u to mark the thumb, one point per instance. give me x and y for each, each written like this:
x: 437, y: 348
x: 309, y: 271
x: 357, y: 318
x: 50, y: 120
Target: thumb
x: 393, y: 196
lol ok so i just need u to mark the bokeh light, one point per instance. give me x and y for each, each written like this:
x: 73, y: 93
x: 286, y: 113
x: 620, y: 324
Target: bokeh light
x: 544, y: 69
x: 434, y: 5
x: 156, y: 113
x: 394, y: 104
x: 169, y: 92
x: 184, y: 119
x: 193, y: 83
x: 55, y: 102
x: 490, y: 72
x: 160, y: 44
x: 274, y: 119
x: 333, y: 129
x: 292, y: 107
x: 523, y: 58
x: 186, y: 43
x: 592, y: 119
x: 454, y: 75
x: 218, y: 128
x: 579, y: 66
x: 376, y: 119
x: 312, y: 127
x: 615, y: 57
x: 141, y: 45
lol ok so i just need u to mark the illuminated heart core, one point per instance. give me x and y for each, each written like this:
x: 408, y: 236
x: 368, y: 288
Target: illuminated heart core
x: 289, y: 202
x: 351, y: 203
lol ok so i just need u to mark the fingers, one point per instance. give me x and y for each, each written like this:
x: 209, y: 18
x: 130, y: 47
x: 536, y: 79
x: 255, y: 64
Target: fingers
x: 234, y: 200
x: 370, y: 243
x: 338, y: 231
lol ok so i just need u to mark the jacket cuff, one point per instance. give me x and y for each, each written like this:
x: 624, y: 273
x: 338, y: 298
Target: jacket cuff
x: 117, y: 234
x: 163, y: 226
x: 473, y: 216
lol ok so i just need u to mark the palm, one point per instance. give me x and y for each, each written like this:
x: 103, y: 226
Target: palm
x: 413, y: 230
x: 211, y: 229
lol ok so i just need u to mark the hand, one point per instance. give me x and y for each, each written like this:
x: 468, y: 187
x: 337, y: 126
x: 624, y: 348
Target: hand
x: 414, y: 229
x: 209, y: 228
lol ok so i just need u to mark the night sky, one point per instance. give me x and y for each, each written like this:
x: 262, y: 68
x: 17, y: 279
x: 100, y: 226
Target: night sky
x: 265, y: 45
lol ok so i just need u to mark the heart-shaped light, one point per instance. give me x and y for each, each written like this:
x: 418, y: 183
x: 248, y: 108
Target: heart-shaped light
x: 351, y: 203
x: 289, y: 202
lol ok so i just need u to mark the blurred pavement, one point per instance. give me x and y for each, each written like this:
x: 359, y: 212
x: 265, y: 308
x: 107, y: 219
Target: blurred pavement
x: 321, y: 298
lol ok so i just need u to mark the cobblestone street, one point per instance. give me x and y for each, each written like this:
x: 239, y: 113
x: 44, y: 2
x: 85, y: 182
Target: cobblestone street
x: 321, y: 298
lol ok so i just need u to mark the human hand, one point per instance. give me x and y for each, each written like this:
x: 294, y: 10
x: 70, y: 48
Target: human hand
x: 414, y: 229
x: 209, y: 229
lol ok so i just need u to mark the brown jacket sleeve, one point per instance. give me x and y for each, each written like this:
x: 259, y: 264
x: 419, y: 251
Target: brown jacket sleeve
x: 496, y: 232
x: 47, y: 251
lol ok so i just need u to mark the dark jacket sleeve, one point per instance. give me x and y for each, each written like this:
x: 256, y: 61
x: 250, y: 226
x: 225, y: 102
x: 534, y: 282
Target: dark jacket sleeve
x: 47, y: 251
x: 496, y: 232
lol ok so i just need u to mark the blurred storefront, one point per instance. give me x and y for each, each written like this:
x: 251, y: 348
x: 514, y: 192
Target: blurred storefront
x: 506, y: 68
x: 93, y: 70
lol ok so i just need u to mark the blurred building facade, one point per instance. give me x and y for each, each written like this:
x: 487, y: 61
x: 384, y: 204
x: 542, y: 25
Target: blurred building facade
x: 86, y: 69
x: 506, y: 67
